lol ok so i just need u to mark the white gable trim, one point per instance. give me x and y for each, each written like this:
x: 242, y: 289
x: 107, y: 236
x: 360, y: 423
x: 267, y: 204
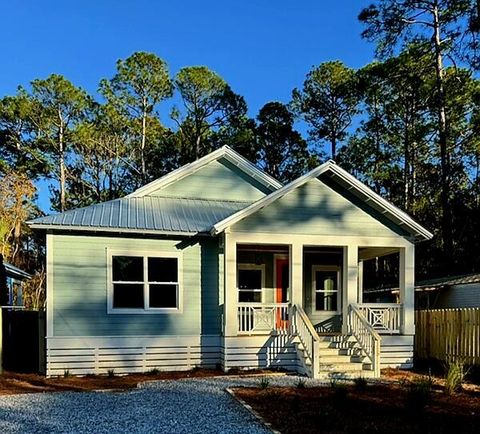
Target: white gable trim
x: 224, y: 152
x: 395, y: 214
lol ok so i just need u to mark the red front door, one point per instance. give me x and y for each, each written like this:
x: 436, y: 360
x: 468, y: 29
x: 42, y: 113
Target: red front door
x: 282, y: 280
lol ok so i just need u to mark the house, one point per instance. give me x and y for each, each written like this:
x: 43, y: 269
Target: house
x: 218, y: 264
x: 449, y: 292
x: 14, y: 279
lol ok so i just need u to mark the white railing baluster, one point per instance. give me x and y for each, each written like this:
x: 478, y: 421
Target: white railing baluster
x: 258, y: 318
x: 383, y: 317
x: 367, y: 337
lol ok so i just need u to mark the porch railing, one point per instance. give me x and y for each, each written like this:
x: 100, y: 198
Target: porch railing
x: 366, y: 336
x: 303, y: 328
x: 385, y: 318
x: 261, y: 318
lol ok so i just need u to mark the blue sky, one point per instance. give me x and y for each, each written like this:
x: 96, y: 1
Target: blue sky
x: 263, y: 49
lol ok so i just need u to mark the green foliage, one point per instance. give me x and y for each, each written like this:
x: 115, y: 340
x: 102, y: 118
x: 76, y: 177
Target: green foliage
x: 301, y: 383
x: 328, y: 102
x: 454, y: 377
x: 66, y: 373
x: 419, y: 394
x: 111, y: 373
x: 153, y: 371
x: 264, y: 383
x: 360, y: 383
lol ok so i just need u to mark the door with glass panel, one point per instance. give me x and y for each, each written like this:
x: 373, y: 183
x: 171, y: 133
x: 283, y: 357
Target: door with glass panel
x: 326, y: 296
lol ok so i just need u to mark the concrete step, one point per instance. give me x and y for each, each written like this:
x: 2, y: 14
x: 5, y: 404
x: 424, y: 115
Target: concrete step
x: 332, y: 375
x: 341, y: 367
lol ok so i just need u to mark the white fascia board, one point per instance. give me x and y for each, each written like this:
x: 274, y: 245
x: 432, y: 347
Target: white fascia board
x: 115, y: 230
x: 403, y: 217
x: 261, y: 203
x: 225, y: 152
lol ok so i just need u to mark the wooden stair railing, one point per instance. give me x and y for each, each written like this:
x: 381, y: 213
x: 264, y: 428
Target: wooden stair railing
x: 367, y: 337
x: 303, y: 328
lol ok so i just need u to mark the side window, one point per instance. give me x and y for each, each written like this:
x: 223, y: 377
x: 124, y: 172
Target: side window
x: 250, y: 283
x: 144, y: 283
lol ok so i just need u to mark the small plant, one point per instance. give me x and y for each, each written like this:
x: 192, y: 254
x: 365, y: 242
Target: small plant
x: 340, y: 390
x: 301, y: 383
x: 111, y: 373
x: 419, y: 394
x: 360, y: 383
x: 154, y: 371
x: 264, y: 383
x: 454, y: 377
x: 66, y: 373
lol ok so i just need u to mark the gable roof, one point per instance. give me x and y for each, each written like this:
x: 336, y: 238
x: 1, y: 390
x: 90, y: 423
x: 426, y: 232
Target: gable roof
x: 353, y: 185
x: 16, y: 272
x: 147, y: 214
x: 224, y: 152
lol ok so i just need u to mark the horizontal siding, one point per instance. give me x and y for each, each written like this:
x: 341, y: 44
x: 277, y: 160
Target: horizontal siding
x: 80, y: 288
x: 314, y: 209
x: 252, y: 352
x: 396, y: 352
x: 459, y: 296
x: 124, y: 354
x: 218, y: 180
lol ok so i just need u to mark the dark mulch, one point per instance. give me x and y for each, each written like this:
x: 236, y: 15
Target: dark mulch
x: 383, y: 408
x: 13, y: 383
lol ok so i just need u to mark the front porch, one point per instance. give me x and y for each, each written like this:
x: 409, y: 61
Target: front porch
x: 313, y: 294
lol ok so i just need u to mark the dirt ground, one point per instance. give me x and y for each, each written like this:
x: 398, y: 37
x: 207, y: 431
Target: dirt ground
x: 385, y: 407
x: 13, y: 383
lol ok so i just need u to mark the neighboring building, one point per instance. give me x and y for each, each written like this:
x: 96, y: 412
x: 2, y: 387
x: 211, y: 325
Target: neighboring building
x: 218, y: 264
x: 448, y: 292
x: 15, y: 279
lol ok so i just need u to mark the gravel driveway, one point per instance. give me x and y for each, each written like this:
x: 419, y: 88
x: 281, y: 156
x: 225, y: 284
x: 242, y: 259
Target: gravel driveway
x: 180, y: 406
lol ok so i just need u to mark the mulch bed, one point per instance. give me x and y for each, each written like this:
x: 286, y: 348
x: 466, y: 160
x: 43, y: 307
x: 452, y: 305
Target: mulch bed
x: 379, y: 408
x: 13, y: 383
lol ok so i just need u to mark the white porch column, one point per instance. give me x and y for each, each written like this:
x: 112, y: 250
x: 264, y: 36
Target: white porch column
x: 360, y: 282
x: 296, y: 273
x: 407, y: 289
x: 350, y: 281
x: 230, y: 275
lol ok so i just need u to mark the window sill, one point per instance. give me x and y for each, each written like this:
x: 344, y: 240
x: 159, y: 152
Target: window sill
x: 158, y: 311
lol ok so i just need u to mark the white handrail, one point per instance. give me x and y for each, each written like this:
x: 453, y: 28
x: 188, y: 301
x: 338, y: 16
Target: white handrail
x: 308, y: 337
x: 367, y: 337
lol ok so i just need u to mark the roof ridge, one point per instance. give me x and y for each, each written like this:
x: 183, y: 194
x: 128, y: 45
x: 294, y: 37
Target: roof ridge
x: 190, y: 198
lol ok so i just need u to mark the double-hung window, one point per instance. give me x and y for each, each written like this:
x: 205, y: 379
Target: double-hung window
x: 144, y: 283
x: 251, y: 281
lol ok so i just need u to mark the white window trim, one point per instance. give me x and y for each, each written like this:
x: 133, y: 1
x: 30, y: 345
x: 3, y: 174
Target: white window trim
x: 336, y: 268
x: 260, y: 267
x: 146, y: 295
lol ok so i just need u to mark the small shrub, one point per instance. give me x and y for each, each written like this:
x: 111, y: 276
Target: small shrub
x: 264, y: 383
x: 154, y: 371
x: 419, y: 394
x: 360, y: 383
x: 111, y: 373
x: 301, y: 383
x: 66, y: 373
x: 340, y: 390
x: 454, y: 377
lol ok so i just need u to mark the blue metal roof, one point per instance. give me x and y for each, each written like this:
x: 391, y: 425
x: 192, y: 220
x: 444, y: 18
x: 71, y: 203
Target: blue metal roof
x: 148, y: 214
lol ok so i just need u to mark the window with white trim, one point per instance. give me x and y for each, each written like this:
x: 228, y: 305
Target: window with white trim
x: 250, y: 283
x: 326, y: 283
x: 144, y: 283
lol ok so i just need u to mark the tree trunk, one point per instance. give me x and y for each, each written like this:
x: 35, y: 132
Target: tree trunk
x: 446, y: 222
x: 61, y: 152
x: 142, y: 150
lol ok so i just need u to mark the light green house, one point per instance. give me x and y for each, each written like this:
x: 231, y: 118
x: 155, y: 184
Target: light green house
x: 218, y: 264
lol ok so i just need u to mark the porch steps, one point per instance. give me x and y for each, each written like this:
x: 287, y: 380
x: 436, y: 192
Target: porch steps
x: 339, y: 358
